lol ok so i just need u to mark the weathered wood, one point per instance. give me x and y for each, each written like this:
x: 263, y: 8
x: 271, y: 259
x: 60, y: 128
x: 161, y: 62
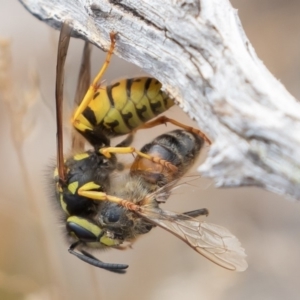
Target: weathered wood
x: 200, y: 53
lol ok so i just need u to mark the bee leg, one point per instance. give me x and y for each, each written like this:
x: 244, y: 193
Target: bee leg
x: 90, y: 259
x: 163, y: 120
x: 127, y: 141
x: 123, y: 150
x: 95, y: 84
x: 86, y: 191
x: 196, y: 213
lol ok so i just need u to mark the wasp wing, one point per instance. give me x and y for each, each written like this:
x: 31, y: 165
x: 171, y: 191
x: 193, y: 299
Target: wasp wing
x: 83, y: 83
x: 63, y: 45
x: 84, y: 78
x: 214, y: 242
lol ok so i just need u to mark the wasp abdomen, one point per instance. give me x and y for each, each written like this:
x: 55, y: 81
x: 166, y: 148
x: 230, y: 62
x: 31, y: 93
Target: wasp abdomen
x: 119, y: 108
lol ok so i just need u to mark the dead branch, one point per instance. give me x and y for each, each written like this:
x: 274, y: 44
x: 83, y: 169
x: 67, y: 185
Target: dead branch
x: 199, y: 51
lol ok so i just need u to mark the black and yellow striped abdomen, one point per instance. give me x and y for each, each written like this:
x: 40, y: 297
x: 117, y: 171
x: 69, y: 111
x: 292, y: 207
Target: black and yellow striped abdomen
x: 120, y: 108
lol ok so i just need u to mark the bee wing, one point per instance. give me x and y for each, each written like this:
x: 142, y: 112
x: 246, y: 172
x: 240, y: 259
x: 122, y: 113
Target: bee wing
x: 212, y: 241
x: 163, y: 193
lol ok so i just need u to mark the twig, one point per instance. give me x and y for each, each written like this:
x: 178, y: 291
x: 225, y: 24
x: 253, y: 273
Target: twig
x: 199, y: 51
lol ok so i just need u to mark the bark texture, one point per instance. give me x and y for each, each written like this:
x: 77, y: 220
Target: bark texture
x: 200, y: 53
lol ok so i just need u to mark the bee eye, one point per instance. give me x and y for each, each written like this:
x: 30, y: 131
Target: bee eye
x: 113, y: 215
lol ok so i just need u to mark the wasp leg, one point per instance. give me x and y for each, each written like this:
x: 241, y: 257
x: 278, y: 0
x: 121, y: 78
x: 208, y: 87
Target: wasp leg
x: 163, y: 120
x: 86, y: 191
x: 124, y: 150
x: 95, y: 84
x: 90, y: 259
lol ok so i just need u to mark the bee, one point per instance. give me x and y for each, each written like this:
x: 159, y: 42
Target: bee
x: 138, y: 197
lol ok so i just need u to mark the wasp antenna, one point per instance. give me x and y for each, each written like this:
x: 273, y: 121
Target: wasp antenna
x: 63, y: 45
x: 92, y: 260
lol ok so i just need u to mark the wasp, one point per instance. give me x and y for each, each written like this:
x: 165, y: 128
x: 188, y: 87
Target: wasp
x: 91, y: 170
x: 100, y: 211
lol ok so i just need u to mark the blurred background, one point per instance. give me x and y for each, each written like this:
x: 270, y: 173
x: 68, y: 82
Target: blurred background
x: 34, y: 261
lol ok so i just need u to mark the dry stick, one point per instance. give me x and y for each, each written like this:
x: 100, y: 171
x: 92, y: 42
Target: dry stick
x: 200, y: 53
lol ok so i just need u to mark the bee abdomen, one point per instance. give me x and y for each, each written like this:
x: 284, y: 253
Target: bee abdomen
x: 179, y: 147
x: 182, y: 147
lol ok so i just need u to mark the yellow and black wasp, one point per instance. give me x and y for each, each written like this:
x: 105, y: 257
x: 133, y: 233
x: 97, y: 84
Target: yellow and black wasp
x: 100, y: 211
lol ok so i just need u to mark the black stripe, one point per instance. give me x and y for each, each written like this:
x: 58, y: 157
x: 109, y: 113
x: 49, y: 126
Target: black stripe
x: 111, y: 126
x: 89, y: 114
x: 147, y: 85
x: 126, y: 118
x: 144, y: 108
x: 140, y: 113
x: 109, y: 93
x: 155, y: 106
x: 128, y: 86
x: 96, y: 95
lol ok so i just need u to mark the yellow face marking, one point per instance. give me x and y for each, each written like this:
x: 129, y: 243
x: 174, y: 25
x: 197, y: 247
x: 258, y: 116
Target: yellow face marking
x: 72, y: 187
x: 81, y: 156
x: 109, y: 241
x: 90, y: 186
x: 94, y: 229
x: 86, y: 224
